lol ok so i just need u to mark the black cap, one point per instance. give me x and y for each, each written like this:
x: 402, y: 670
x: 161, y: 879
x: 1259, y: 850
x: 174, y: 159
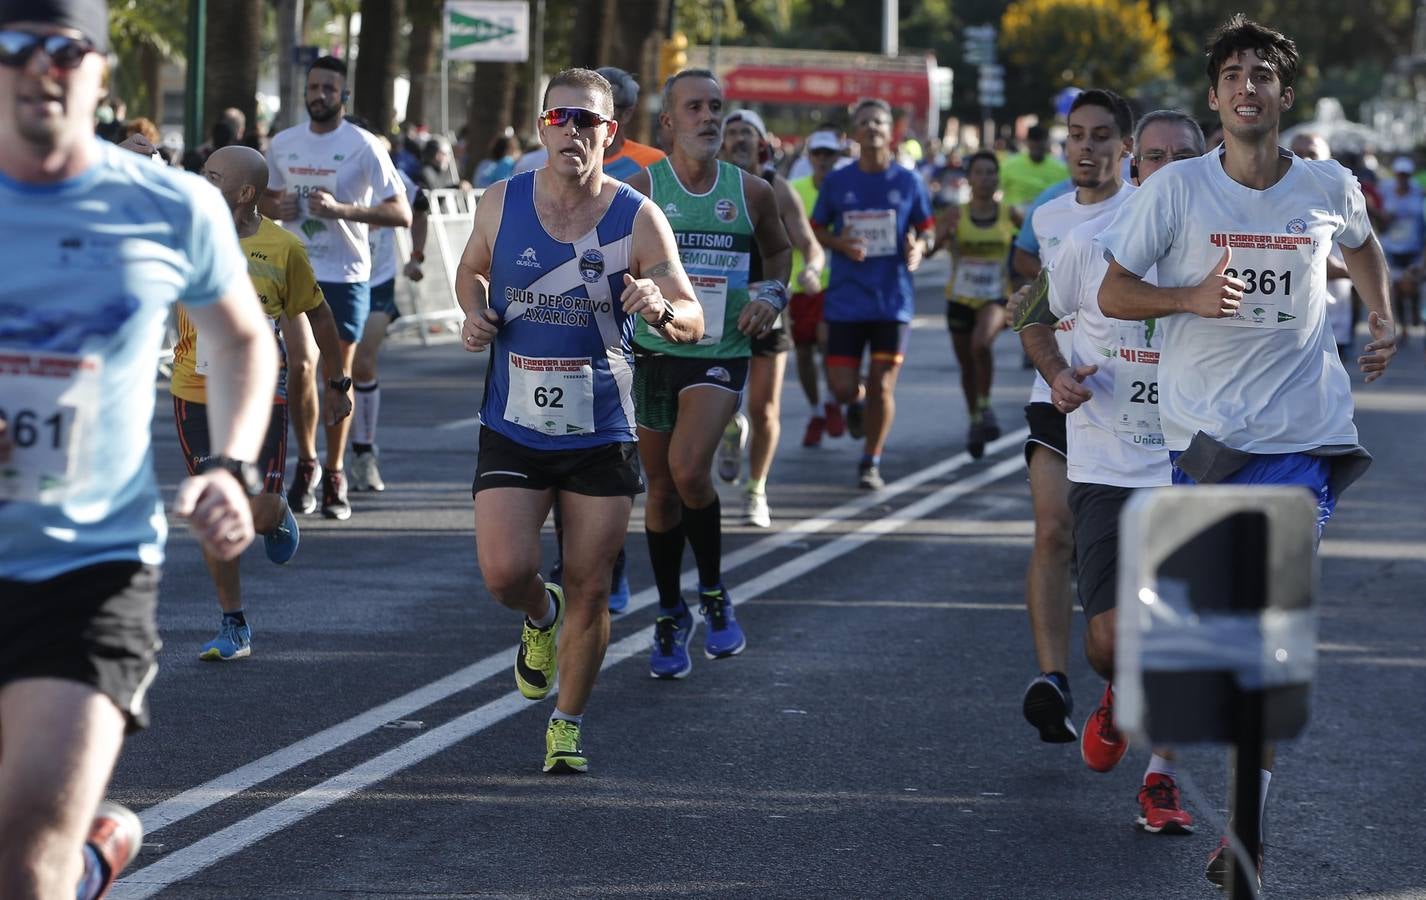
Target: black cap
x: 89, y: 17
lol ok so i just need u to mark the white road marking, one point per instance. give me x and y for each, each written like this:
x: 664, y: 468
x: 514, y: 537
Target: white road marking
x: 209, y: 851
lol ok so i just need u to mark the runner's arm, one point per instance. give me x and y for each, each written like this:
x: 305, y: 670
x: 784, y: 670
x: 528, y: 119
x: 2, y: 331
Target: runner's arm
x: 472, y: 285
x: 768, y: 229
x: 946, y: 228
x: 1040, y: 345
x: 1366, y: 265
x: 641, y: 182
x: 393, y: 212
x: 799, y: 229
x: 1025, y: 264
x: 270, y: 204
x: 657, y: 281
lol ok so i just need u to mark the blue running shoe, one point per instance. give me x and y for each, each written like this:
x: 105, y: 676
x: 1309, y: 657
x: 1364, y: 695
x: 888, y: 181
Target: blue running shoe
x: 234, y: 641
x: 619, y: 594
x: 725, y: 636
x: 281, y: 545
x: 669, y: 657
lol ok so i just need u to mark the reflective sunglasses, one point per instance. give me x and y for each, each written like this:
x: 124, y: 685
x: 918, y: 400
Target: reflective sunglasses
x: 16, y: 48
x: 583, y: 118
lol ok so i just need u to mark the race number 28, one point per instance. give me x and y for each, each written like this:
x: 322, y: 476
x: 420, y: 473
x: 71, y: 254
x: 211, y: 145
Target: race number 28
x: 1144, y: 392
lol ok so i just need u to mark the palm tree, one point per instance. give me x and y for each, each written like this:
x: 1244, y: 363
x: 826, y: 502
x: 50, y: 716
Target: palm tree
x: 376, y: 65
x: 145, y: 35
x: 234, y: 46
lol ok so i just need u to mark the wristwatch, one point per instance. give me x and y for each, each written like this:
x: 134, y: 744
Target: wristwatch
x: 667, y: 318
x: 246, y: 473
x: 342, y: 384
x: 417, y: 256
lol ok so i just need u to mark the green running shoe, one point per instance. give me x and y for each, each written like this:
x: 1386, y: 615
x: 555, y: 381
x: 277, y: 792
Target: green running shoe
x: 563, y: 752
x: 537, y: 660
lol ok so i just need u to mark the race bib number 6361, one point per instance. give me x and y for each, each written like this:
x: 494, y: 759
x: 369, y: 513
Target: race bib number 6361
x: 47, y: 401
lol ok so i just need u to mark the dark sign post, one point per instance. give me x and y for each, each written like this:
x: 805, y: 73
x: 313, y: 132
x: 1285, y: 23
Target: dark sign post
x: 1217, y: 631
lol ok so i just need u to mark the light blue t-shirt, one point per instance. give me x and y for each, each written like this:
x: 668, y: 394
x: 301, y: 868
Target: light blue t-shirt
x: 91, y: 268
x: 1026, y: 239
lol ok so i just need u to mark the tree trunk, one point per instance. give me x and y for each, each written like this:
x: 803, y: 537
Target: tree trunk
x: 422, y: 58
x: 234, y: 45
x: 376, y: 66
x: 151, y: 71
x: 641, y: 28
x: 492, y: 102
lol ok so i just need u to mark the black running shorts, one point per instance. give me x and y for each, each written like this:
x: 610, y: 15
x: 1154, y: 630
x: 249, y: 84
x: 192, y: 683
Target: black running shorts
x: 771, y: 344
x: 1047, y: 429
x: 609, y: 470
x: 192, y: 421
x: 95, y: 625
x: 1096, y: 509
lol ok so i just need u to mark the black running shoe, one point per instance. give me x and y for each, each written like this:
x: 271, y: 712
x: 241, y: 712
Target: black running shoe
x: 334, y: 496
x: 1048, y: 706
x: 302, y: 496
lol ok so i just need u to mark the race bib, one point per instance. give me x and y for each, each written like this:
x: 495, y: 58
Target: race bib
x: 48, y: 401
x: 1136, y: 388
x: 552, y: 396
x: 712, y: 293
x: 303, y: 183
x: 877, y: 227
x: 978, y: 280
x: 1275, y: 270
x: 1402, y: 232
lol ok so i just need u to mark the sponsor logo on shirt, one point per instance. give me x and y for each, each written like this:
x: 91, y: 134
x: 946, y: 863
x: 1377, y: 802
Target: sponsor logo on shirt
x: 893, y: 195
x: 1297, y: 226
x: 718, y: 373
x: 849, y: 197
x: 670, y: 209
x: 1261, y: 241
x: 591, y: 265
x: 725, y: 210
x: 528, y: 259
x: 1283, y: 317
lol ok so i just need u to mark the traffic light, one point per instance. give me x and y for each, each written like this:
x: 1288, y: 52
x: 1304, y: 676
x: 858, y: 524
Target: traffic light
x: 673, y: 56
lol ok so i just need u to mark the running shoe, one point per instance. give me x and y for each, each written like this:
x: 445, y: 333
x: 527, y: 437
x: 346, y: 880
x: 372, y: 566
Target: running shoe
x: 725, y: 636
x: 1101, y: 745
x: 302, y: 496
x: 537, y: 660
x: 975, y: 440
x: 668, y: 658
x: 836, y: 424
x: 116, y: 836
x: 564, y: 752
x: 1048, y: 706
x: 619, y: 596
x: 334, y: 496
x: 1161, y: 806
x: 364, y: 473
x: 281, y: 545
x: 812, y: 437
x: 755, y: 511
x: 234, y: 641
x: 990, y: 424
x: 855, y: 426
x: 1217, y: 870
x: 869, y: 477
x: 730, y: 448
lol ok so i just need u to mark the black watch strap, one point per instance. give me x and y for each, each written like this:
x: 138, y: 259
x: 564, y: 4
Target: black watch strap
x: 246, y: 473
x: 342, y: 384
x: 667, y: 318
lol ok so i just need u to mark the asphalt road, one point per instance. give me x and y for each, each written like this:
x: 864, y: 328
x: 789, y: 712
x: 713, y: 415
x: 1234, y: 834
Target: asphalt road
x: 868, y: 743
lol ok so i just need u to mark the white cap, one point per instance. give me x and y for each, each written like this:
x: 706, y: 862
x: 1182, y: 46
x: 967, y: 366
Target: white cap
x: 1403, y: 166
x: 823, y: 140
x: 751, y: 118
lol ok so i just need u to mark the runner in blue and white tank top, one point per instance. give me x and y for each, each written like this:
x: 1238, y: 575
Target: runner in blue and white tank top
x: 559, y: 264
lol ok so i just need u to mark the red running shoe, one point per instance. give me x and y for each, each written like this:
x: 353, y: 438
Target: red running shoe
x: 836, y: 425
x: 1161, y: 809
x: 116, y: 835
x: 812, y: 437
x: 1100, y: 743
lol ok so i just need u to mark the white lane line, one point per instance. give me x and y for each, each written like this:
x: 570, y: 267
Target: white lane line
x: 189, y: 861
x: 197, y: 799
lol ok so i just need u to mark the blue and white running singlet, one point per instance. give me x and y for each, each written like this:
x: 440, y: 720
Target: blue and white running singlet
x: 561, y: 368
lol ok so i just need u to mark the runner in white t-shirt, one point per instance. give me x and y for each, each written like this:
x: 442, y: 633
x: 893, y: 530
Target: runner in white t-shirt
x: 328, y: 182
x: 1251, y: 388
x: 1340, y: 318
x: 1109, y: 388
x: 1100, y: 126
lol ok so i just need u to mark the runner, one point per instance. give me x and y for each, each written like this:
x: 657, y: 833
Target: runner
x: 1025, y: 175
x: 1403, y: 237
x: 686, y: 393
x: 1230, y: 234
x: 385, y: 260
x: 109, y: 242
x: 328, y: 181
x: 1109, y: 390
x: 745, y: 146
x: 809, y: 332
x: 278, y: 267
x: 553, y: 288
x: 979, y: 237
x: 1100, y: 135
x: 876, y: 218
x: 1341, y: 313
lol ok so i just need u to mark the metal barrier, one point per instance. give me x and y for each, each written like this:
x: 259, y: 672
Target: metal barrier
x: 429, y: 306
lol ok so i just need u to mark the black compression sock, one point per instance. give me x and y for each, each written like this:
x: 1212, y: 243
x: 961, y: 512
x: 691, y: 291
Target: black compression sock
x: 666, y: 557
x: 705, y: 535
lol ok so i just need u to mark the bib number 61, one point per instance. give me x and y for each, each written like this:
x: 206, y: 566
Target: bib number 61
x: 27, y: 429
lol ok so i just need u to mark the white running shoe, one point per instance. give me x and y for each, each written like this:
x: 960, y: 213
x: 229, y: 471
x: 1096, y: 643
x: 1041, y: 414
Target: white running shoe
x: 730, y: 448
x: 755, y: 512
x: 364, y: 474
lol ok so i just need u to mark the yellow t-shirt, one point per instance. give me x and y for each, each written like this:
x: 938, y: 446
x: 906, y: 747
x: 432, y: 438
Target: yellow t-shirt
x: 979, y: 272
x: 285, y: 284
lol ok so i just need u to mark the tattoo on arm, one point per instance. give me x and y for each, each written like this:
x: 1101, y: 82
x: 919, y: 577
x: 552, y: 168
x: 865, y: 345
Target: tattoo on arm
x: 662, y: 268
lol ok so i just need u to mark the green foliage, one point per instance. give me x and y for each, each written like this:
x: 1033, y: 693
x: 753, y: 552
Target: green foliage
x: 136, y: 24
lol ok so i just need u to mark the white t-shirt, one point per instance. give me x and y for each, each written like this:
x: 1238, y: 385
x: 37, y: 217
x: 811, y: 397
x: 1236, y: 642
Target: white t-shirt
x: 1052, y: 222
x: 1113, y: 439
x: 1268, y: 380
x: 353, y: 167
x: 382, y: 241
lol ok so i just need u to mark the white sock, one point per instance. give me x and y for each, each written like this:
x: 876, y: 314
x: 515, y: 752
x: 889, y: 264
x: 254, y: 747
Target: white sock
x: 1161, y: 766
x: 566, y: 717
x: 1263, y: 798
x: 551, y: 612
x: 368, y: 405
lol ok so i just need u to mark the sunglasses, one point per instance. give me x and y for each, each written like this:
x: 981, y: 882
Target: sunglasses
x: 583, y: 118
x: 16, y: 48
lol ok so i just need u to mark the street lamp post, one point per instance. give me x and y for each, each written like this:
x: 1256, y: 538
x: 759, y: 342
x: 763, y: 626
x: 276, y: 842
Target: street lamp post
x: 193, y: 80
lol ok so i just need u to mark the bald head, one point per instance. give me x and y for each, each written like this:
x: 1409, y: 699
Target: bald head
x: 239, y: 172
x: 1310, y: 146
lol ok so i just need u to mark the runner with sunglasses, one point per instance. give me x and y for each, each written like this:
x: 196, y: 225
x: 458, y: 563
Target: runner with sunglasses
x: 686, y: 394
x: 562, y: 263
x: 109, y: 243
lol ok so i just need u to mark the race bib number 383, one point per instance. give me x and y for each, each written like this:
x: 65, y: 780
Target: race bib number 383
x: 553, y: 396
x: 47, y: 401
